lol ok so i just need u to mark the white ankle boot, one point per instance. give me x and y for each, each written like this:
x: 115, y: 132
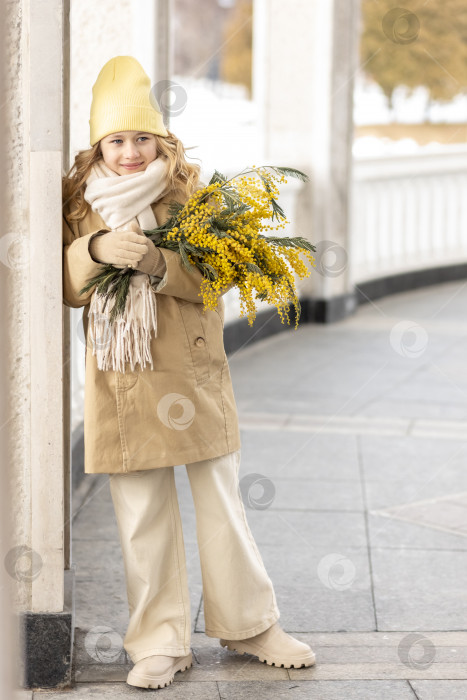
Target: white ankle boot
x: 157, y: 671
x: 274, y: 647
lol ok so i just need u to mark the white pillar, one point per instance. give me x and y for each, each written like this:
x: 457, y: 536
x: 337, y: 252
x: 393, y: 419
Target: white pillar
x: 31, y: 254
x: 162, y: 40
x: 305, y: 59
x: 154, y: 50
x: 8, y: 633
x: 45, y: 221
x: 152, y: 39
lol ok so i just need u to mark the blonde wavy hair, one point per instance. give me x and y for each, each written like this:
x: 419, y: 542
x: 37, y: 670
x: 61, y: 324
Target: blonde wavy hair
x: 182, y: 175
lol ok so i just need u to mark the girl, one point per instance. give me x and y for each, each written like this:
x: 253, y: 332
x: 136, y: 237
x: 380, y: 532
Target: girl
x: 158, y: 393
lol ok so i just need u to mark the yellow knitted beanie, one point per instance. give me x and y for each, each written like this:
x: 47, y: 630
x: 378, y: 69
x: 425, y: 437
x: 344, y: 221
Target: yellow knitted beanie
x: 122, y: 101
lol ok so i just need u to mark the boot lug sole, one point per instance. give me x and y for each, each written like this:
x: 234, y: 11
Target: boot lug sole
x: 233, y: 647
x: 137, y: 681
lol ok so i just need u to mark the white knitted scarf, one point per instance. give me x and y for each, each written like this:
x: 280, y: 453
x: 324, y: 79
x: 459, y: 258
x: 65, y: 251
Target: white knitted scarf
x: 121, y: 200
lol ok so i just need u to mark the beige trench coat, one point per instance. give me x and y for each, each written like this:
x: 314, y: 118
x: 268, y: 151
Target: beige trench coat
x: 184, y: 409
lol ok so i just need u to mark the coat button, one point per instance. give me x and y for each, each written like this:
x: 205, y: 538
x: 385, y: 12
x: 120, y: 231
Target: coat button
x: 200, y: 342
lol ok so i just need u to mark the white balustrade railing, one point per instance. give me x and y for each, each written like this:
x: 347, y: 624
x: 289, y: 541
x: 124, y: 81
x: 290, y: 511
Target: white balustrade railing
x: 409, y: 212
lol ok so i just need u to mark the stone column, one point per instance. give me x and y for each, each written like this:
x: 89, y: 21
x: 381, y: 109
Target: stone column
x: 163, y: 40
x: 166, y: 92
x: 305, y: 59
x: 8, y: 637
x: 32, y: 252
x: 66, y: 330
x: 151, y: 39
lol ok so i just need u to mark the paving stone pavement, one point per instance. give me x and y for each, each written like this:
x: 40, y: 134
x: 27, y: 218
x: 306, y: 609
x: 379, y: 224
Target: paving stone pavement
x: 357, y: 434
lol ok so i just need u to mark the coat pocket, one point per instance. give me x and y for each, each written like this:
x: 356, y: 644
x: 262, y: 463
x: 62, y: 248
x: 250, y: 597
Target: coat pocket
x: 125, y: 381
x: 197, y: 340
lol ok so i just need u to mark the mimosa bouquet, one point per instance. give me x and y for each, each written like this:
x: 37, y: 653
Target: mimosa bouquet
x: 222, y: 230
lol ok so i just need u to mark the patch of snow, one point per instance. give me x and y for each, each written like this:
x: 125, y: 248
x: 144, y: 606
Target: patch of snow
x: 371, y: 106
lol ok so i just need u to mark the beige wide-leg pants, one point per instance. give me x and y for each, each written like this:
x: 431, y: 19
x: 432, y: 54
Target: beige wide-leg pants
x: 239, y: 599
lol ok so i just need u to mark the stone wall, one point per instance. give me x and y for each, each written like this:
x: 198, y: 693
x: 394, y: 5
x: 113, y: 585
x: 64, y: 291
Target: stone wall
x: 14, y: 255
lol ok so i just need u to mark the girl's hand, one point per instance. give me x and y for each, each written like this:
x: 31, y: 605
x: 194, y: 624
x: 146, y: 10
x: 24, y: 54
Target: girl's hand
x: 153, y: 262
x: 121, y: 247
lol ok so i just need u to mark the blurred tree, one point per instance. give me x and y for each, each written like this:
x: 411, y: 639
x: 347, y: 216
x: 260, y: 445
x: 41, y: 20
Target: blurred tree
x: 421, y: 44
x: 236, y: 58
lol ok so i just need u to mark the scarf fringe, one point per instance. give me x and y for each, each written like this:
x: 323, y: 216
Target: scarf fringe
x: 128, y: 338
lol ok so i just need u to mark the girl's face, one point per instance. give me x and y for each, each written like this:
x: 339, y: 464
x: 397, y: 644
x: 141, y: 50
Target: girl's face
x: 128, y: 151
